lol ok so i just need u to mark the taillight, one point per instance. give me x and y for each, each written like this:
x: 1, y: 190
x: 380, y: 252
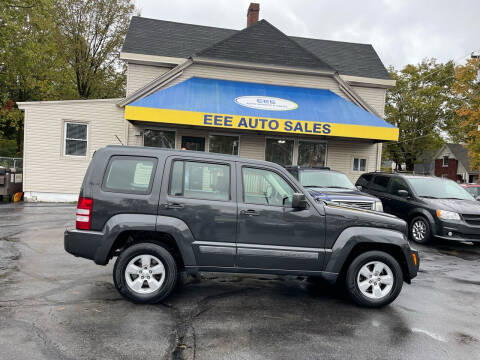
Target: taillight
x: 84, y: 213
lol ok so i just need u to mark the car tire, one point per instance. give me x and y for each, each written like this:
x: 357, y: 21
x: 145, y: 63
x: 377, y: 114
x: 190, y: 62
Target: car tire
x: 420, y: 230
x: 145, y: 273
x: 381, y: 288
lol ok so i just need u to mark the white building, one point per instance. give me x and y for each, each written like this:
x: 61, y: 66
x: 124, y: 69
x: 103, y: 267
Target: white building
x: 303, y: 101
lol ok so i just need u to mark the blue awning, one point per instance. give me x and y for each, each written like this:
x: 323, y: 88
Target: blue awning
x: 259, y: 107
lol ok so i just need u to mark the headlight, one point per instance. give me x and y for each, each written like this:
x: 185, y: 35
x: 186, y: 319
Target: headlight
x: 447, y: 215
x: 378, y: 206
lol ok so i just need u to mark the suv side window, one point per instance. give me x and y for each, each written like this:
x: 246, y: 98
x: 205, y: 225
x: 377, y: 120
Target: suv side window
x: 364, y: 180
x: 265, y: 187
x: 129, y: 174
x: 380, y: 183
x: 397, y: 184
x: 199, y: 180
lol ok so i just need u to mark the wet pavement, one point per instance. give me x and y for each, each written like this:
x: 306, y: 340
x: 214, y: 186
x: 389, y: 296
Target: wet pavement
x: 56, y: 306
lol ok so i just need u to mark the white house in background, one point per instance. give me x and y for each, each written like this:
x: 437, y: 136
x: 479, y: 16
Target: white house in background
x: 256, y: 93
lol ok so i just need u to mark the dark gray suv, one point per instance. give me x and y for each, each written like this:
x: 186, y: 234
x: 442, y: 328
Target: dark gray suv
x: 161, y: 212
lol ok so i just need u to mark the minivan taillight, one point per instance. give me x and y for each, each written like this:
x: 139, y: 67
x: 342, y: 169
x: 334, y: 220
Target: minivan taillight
x: 84, y: 213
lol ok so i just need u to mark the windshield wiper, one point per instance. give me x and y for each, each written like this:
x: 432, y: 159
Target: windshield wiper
x: 453, y: 198
x: 429, y: 197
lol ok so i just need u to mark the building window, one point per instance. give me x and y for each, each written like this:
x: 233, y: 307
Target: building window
x: 312, y: 154
x: 359, y: 164
x: 223, y: 144
x: 279, y: 151
x: 159, y: 138
x: 200, y: 180
x: 75, y: 139
x: 127, y: 174
x: 445, y: 161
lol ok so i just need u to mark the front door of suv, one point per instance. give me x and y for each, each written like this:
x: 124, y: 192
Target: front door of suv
x: 201, y: 193
x: 270, y: 233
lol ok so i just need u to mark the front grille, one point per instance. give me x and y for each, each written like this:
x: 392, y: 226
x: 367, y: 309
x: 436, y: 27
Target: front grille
x: 472, y: 219
x: 357, y: 204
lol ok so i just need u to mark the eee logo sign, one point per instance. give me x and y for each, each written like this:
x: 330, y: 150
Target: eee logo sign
x: 266, y: 103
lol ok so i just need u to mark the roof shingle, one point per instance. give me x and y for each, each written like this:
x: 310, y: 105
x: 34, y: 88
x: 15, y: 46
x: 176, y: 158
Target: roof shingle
x: 173, y: 39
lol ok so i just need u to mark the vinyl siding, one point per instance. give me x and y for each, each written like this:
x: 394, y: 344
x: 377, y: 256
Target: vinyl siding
x: 140, y: 75
x: 375, y: 97
x: 46, y: 169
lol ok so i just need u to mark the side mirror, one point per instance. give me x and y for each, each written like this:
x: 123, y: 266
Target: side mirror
x: 359, y: 187
x: 403, y: 193
x: 299, y: 201
x: 478, y: 198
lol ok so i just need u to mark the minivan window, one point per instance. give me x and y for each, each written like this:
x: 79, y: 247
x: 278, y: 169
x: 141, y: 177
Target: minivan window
x: 364, y: 180
x: 396, y: 185
x: 266, y: 188
x: 198, y: 180
x: 380, y: 183
x: 129, y: 174
x: 438, y: 188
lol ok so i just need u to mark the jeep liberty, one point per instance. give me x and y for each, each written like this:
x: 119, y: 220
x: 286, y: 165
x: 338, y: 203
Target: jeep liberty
x: 161, y: 212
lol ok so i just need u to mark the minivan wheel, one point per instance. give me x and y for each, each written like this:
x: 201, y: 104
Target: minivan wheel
x: 145, y: 273
x: 420, y: 230
x: 374, y: 279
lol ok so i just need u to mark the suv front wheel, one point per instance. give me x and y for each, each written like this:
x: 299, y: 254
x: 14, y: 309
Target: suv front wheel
x: 374, y: 279
x: 145, y: 273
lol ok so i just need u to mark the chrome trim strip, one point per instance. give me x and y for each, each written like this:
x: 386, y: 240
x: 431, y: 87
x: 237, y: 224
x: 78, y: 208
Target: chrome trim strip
x: 217, y: 250
x: 214, y: 243
x: 278, y: 253
x: 287, y: 248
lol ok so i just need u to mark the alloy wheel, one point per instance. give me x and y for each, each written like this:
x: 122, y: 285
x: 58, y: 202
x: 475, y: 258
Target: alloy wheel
x: 145, y: 274
x: 419, y: 230
x: 375, y: 280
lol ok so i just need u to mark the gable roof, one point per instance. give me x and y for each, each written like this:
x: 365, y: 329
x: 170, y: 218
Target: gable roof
x: 265, y: 44
x: 179, y: 40
x: 461, y: 154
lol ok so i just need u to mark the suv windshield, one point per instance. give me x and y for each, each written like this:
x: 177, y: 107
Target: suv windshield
x: 325, y: 179
x: 439, y: 189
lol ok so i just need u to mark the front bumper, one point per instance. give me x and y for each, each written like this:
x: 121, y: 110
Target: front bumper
x: 84, y: 244
x: 413, y: 263
x: 457, y: 231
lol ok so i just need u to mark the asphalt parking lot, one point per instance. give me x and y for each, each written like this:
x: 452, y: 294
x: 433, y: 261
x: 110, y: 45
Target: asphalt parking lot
x: 55, y: 306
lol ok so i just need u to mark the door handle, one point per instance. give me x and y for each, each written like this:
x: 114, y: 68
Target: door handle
x: 173, y: 206
x: 249, y: 212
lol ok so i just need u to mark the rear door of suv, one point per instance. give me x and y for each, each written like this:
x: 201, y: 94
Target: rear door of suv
x: 201, y: 192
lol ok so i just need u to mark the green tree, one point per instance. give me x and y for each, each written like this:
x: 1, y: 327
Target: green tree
x: 467, y: 88
x: 90, y: 34
x: 58, y: 50
x: 421, y: 106
x: 30, y: 68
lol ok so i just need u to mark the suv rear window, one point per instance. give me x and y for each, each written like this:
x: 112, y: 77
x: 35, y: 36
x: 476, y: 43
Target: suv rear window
x: 198, y: 180
x: 129, y: 174
x: 380, y: 183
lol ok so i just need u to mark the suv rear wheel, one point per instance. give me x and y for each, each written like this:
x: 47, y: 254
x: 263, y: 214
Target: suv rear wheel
x: 374, y: 279
x: 145, y: 273
x: 420, y: 230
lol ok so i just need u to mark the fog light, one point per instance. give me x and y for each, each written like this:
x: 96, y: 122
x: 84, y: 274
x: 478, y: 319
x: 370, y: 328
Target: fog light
x: 450, y: 233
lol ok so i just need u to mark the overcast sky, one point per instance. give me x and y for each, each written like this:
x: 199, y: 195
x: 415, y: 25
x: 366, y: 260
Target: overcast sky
x: 402, y: 31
